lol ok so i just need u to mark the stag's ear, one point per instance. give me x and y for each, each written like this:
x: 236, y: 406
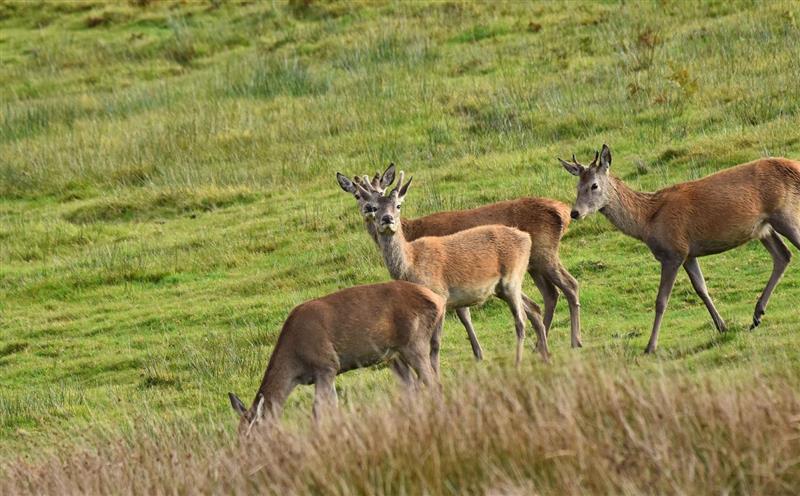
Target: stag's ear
x: 573, y: 168
x: 605, y: 158
x: 388, y: 176
x: 404, y: 188
x: 237, y: 404
x: 345, y: 183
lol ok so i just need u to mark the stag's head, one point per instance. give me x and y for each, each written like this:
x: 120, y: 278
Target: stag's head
x: 387, y: 215
x: 593, y: 184
x: 249, y: 418
x: 364, y: 190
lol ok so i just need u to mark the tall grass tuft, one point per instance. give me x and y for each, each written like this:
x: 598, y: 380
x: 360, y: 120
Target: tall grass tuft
x: 584, y: 431
x: 266, y: 78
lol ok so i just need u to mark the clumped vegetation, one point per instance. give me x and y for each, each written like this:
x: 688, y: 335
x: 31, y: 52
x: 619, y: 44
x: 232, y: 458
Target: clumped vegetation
x: 167, y: 195
x: 509, y: 433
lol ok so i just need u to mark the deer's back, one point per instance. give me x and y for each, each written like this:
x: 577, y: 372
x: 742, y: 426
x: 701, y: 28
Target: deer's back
x: 544, y: 219
x: 470, y: 261
x: 361, y: 325
x: 727, y: 208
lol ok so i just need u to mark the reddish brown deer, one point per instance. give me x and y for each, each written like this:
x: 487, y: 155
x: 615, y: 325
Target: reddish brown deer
x: 543, y: 219
x: 352, y: 328
x: 756, y: 200
x: 465, y: 268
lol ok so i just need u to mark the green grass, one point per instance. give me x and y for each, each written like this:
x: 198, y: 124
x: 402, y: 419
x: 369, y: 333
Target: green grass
x: 167, y: 189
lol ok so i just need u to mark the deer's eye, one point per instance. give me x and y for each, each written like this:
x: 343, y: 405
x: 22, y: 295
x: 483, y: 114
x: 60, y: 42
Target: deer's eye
x: 594, y: 186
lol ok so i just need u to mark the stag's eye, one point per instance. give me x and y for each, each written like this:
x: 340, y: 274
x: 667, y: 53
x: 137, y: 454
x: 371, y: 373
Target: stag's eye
x: 398, y: 207
x: 594, y: 186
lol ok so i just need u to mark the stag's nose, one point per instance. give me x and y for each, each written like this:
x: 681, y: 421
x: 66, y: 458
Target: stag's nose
x: 386, y: 219
x: 574, y: 214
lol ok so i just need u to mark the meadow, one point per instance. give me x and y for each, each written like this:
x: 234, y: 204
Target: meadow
x: 168, y: 194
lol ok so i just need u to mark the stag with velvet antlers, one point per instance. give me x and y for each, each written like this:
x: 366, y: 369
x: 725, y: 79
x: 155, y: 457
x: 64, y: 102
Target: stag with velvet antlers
x: 543, y: 219
x: 466, y: 268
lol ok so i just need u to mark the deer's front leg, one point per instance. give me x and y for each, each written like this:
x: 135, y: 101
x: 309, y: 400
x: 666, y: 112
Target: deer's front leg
x: 669, y: 270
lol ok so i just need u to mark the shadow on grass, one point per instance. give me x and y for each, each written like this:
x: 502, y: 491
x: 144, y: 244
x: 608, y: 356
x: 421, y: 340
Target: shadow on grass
x: 718, y: 340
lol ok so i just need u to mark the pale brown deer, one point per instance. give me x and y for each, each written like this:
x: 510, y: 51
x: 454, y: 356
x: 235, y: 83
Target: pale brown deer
x: 757, y: 200
x: 466, y: 268
x: 543, y: 219
x: 352, y: 328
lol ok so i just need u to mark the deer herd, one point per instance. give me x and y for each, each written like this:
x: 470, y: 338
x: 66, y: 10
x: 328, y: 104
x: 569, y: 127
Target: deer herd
x: 455, y: 260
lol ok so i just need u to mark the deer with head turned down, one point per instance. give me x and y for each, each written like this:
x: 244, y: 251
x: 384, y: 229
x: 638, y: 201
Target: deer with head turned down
x: 757, y: 200
x: 352, y: 328
x: 466, y: 268
x: 544, y: 220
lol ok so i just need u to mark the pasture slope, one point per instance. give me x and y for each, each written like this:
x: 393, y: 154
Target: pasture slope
x: 167, y: 195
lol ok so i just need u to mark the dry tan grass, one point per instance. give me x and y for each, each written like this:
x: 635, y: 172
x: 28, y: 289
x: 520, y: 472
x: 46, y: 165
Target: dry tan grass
x: 491, y: 434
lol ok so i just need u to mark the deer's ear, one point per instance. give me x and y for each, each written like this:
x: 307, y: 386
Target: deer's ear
x: 237, y: 404
x: 345, y: 183
x: 573, y: 168
x: 260, y: 406
x: 404, y: 188
x: 387, y: 178
x: 605, y: 158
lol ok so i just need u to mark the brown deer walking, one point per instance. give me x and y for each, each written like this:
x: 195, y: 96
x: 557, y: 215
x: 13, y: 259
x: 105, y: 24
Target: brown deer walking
x: 466, y: 268
x: 757, y: 200
x: 352, y: 328
x: 543, y: 219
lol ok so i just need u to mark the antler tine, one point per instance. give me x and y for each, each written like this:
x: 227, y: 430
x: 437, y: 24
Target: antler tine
x: 400, y: 182
x: 361, y: 187
x: 367, y: 184
x: 594, y: 160
x: 376, y: 181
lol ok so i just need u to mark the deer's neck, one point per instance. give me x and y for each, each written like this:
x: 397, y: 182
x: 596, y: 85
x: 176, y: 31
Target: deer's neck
x: 627, y: 209
x: 395, y: 250
x: 408, y: 230
x: 276, y: 385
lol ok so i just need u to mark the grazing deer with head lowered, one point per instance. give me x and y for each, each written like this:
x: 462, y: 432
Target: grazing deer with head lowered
x: 466, y: 268
x: 352, y: 328
x: 756, y: 200
x: 543, y: 219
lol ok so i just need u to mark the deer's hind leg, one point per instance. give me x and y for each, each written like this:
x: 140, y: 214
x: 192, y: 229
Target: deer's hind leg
x: 402, y: 372
x: 781, y: 256
x: 568, y: 285
x: 549, y: 297
x: 417, y: 356
x: 534, y: 315
x: 511, y: 293
x: 466, y: 319
x: 436, y: 340
x: 788, y: 226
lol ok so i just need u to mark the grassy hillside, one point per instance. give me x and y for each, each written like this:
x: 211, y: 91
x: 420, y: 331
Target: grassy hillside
x: 167, y: 189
